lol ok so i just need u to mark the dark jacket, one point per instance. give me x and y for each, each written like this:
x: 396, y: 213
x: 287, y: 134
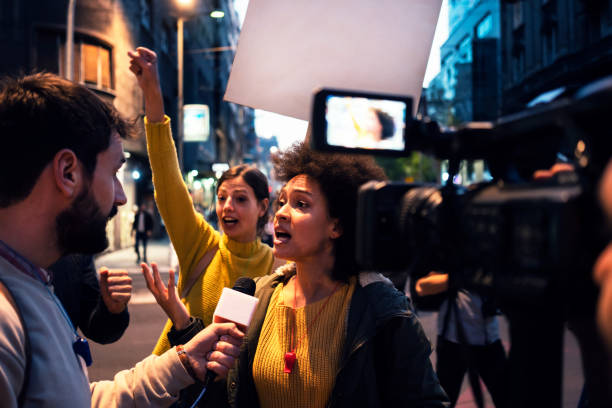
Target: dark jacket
x: 385, y: 359
x: 148, y: 221
x: 75, y: 283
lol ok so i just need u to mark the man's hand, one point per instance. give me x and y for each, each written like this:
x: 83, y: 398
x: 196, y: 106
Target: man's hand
x: 166, y: 297
x: 143, y: 63
x: 115, y: 288
x: 214, y: 348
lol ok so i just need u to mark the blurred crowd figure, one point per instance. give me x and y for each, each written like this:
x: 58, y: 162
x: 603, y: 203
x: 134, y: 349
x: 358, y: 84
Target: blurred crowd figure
x: 142, y: 228
x: 468, y: 341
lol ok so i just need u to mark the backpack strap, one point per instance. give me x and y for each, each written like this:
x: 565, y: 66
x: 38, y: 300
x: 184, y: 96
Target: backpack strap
x: 28, y: 348
x: 198, y: 270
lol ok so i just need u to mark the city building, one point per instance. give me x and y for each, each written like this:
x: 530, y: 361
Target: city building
x: 33, y: 34
x: 467, y: 87
x: 548, y: 44
x: 470, y: 60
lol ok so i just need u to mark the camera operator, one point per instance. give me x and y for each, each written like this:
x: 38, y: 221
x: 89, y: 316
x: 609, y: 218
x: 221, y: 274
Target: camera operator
x: 468, y: 339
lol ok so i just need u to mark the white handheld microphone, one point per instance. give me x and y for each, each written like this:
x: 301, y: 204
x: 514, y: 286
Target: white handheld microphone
x: 237, y: 305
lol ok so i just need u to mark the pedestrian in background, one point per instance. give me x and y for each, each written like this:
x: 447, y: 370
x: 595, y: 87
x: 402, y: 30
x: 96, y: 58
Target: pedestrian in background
x: 468, y: 339
x: 142, y: 228
x: 97, y: 308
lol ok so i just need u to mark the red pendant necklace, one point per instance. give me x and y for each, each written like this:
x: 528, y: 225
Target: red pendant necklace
x: 290, y: 356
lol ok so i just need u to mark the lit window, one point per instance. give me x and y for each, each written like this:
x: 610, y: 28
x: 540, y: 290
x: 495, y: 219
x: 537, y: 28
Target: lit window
x: 485, y: 26
x: 95, y: 65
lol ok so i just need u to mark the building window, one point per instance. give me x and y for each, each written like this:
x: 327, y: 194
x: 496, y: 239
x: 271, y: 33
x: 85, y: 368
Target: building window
x: 517, y: 14
x: 145, y: 14
x: 164, y: 42
x: 549, y: 32
x: 485, y: 26
x: 47, y: 46
x: 95, y: 65
x: 465, y: 49
x: 549, y: 47
x: 518, y: 54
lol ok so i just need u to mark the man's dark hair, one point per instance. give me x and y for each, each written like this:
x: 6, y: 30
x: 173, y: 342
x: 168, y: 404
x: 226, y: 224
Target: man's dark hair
x: 339, y: 177
x: 387, y: 123
x: 41, y: 114
x: 256, y: 180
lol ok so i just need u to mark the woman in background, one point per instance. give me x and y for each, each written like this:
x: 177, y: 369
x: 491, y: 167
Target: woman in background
x: 208, y: 261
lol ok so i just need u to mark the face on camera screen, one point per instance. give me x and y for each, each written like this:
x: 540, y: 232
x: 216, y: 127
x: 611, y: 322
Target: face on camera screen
x: 365, y: 123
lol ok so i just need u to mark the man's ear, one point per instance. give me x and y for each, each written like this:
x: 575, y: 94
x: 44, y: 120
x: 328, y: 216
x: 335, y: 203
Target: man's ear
x: 336, y: 229
x: 67, y: 172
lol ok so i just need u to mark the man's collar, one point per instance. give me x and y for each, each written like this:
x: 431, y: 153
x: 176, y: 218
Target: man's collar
x: 25, y: 266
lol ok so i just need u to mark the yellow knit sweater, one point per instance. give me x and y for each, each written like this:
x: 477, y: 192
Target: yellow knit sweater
x: 192, y: 236
x: 310, y: 383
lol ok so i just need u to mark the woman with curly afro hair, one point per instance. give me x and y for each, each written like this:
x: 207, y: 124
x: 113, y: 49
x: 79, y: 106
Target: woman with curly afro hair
x: 325, y: 334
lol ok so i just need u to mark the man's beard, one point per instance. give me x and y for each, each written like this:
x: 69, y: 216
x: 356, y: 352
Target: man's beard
x: 81, y: 228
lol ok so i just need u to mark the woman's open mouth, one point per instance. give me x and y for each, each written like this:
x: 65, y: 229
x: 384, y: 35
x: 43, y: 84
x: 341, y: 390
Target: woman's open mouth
x: 229, y: 221
x: 281, y: 237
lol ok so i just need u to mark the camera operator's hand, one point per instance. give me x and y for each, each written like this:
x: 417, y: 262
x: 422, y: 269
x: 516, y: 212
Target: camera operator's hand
x: 556, y: 168
x: 143, y: 63
x: 432, y: 284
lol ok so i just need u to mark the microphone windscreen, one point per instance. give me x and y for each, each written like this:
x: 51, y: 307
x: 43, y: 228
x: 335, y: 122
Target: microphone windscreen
x: 245, y: 285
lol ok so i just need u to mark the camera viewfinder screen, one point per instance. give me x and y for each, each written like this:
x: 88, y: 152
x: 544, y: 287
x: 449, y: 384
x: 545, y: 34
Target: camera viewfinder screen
x: 365, y: 123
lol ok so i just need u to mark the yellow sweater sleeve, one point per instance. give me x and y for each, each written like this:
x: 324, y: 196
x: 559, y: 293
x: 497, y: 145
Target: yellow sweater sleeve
x: 189, y: 232
x: 192, y: 236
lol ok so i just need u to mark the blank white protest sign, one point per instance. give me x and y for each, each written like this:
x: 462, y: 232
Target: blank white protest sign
x: 289, y: 48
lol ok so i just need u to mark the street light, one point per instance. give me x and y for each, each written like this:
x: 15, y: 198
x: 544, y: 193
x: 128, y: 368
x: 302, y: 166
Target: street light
x: 183, y: 7
x: 70, y: 40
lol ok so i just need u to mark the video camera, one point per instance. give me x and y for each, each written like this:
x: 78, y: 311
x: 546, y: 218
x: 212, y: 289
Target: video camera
x: 515, y: 237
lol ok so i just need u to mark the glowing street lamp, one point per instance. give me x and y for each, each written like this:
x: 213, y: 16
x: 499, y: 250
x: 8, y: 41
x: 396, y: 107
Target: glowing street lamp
x: 184, y: 7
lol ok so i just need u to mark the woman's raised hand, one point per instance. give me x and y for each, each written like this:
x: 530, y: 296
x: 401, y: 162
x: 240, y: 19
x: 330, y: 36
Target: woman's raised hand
x: 143, y: 63
x: 166, y: 297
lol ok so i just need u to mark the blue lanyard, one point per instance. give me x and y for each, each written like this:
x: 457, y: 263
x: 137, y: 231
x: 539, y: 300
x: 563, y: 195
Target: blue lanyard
x: 80, y: 345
